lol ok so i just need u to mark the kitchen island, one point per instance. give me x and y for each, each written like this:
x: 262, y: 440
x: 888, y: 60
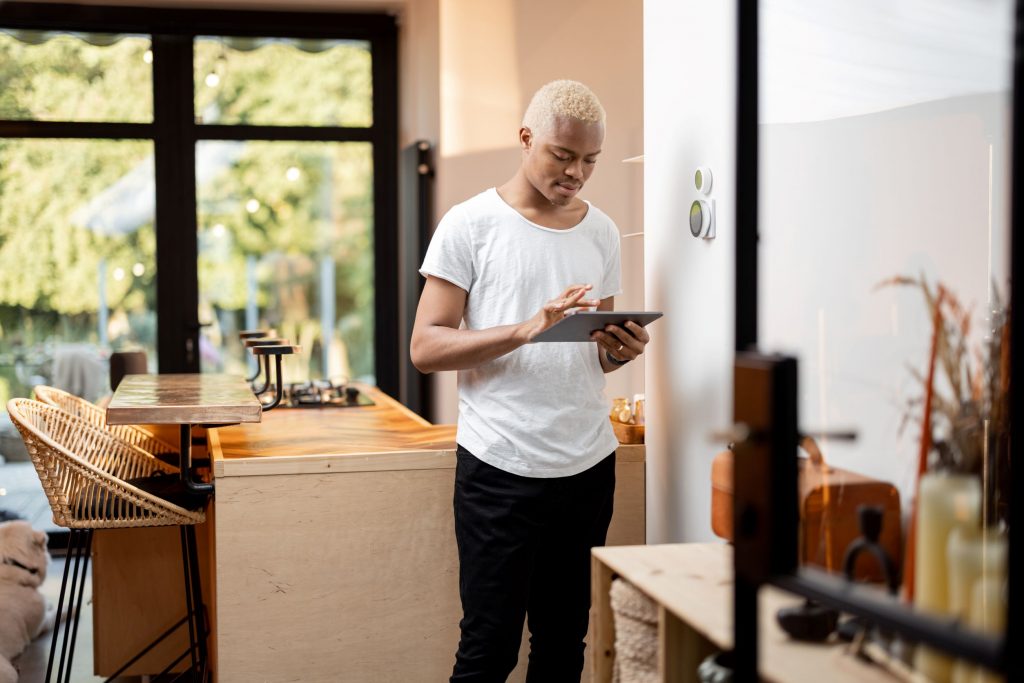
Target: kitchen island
x: 332, y: 550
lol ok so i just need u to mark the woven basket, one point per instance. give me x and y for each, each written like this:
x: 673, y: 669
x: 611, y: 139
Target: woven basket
x: 83, y: 469
x: 636, y: 635
x: 627, y: 433
x: 92, y: 413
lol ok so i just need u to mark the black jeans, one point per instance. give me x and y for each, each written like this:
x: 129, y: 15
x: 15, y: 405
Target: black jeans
x: 524, y: 551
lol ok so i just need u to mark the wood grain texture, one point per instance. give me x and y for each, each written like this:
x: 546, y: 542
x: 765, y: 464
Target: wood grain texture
x: 350, y: 576
x: 183, y: 399
x: 384, y: 436
x: 334, y: 526
x: 602, y: 629
x: 138, y: 592
x: 693, y: 583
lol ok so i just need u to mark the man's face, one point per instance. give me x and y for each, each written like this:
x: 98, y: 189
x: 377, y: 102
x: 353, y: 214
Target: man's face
x: 559, y: 161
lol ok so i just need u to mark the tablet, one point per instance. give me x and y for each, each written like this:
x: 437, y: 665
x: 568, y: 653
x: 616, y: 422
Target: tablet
x: 578, y: 326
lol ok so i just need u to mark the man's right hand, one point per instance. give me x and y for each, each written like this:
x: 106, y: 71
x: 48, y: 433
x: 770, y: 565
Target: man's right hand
x: 438, y: 344
x: 556, y: 309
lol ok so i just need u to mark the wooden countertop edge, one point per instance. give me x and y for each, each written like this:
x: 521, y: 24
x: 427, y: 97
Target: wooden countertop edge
x: 379, y: 461
x: 182, y: 415
x: 369, y: 461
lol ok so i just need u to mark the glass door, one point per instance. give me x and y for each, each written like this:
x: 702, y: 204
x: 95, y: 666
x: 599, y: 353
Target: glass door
x: 883, y: 266
x: 77, y: 208
x: 286, y: 224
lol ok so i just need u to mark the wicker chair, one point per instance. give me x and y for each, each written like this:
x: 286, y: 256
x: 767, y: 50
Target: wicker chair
x: 135, y: 435
x: 93, y: 480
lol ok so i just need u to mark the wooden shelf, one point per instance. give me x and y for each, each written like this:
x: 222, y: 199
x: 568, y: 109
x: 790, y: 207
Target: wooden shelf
x: 692, y: 586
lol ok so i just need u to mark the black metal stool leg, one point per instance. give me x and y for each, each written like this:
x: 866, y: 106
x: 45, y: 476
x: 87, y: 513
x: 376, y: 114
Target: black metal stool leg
x: 255, y: 375
x: 86, y: 554
x: 72, y: 541
x: 142, y: 653
x: 186, y: 565
x: 72, y: 616
x: 198, y: 608
x: 266, y: 381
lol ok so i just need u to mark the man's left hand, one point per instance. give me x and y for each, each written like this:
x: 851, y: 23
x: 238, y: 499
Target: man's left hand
x: 622, y: 344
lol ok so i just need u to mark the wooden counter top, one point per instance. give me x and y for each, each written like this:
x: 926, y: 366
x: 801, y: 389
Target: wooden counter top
x: 183, y: 399
x: 384, y: 436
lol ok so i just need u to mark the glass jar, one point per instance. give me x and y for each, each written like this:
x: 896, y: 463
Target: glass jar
x: 620, y: 410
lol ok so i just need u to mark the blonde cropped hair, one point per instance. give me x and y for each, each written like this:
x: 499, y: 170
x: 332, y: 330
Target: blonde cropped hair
x: 563, y: 98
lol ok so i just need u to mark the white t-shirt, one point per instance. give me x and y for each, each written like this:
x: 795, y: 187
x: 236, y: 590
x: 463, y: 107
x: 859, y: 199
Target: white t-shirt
x: 540, y: 410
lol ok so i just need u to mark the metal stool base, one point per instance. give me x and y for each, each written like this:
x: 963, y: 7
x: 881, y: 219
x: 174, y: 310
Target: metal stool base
x: 76, y: 564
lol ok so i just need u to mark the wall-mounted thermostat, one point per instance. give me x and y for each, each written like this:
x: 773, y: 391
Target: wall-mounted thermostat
x: 702, y: 218
x: 702, y: 179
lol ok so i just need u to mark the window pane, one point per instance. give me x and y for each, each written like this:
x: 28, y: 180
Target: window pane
x: 286, y: 242
x: 78, y: 248
x: 283, y: 82
x: 80, y: 77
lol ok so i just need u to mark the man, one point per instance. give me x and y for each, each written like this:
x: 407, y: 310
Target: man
x: 535, y: 468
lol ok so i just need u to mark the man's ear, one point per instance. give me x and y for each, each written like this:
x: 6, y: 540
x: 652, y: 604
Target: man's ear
x: 525, y: 138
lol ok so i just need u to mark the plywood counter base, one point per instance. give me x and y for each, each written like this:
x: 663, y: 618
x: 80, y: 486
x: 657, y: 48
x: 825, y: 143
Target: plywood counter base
x: 335, y: 546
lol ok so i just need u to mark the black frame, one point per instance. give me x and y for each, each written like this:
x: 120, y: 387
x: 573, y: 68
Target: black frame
x: 175, y: 134
x: 766, y: 532
x: 416, y: 183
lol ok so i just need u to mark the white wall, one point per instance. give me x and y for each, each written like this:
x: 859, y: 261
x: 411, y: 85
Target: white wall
x: 689, y: 96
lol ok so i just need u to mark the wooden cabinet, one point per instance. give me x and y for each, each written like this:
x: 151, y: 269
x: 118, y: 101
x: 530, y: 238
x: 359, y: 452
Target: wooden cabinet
x: 351, y: 574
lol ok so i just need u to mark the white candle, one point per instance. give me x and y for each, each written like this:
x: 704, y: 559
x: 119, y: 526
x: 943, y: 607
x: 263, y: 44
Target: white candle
x: 977, y: 563
x: 972, y: 553
x: 944, y: 501
x: 988, y: 615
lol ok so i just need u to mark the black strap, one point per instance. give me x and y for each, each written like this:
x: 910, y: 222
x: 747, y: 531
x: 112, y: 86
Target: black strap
x: 615, y: 361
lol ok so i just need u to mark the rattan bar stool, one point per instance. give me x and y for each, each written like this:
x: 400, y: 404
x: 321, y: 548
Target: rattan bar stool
x: 133, y: 434
x: 95, y: 480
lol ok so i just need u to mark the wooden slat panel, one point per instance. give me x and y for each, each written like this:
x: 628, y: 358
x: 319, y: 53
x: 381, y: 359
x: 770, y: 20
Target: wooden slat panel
x: 183, y: 399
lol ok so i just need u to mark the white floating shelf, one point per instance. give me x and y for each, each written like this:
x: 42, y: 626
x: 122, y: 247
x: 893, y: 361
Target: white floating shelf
x: 634, y: 160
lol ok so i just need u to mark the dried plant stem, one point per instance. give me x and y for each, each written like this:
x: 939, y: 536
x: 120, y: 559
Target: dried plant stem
x: 926, y: 444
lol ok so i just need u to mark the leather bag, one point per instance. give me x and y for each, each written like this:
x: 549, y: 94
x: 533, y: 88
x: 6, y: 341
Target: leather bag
x: 829, y: 498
